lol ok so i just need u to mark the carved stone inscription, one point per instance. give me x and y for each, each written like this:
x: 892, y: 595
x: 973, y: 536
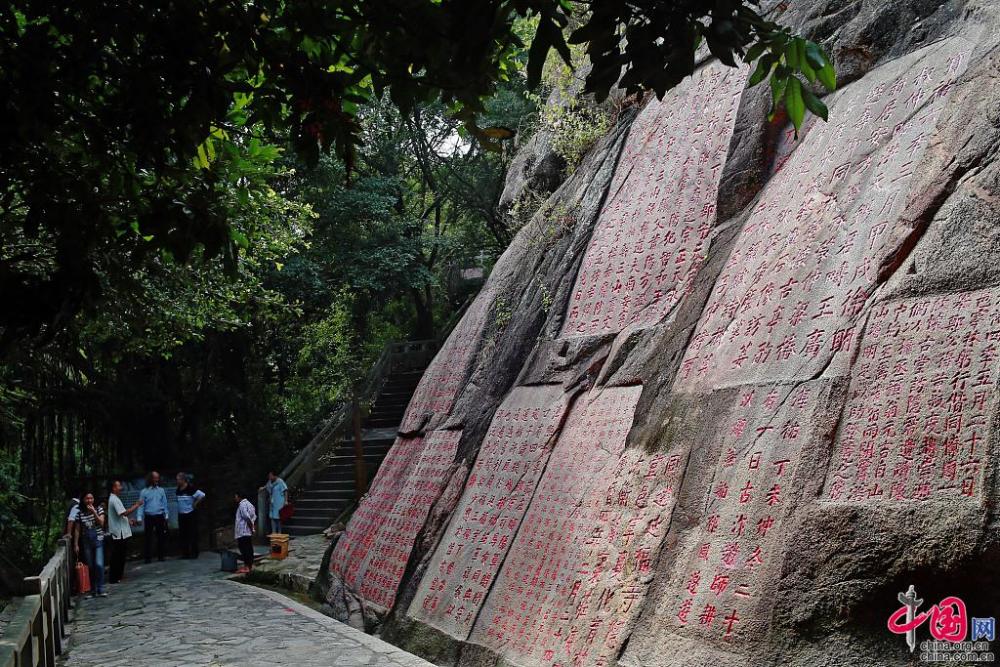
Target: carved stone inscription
x: 917, y: 419
x: 573, y: 581
x: 650, y: 239
x: 725, y: 565
x: 372, y: 554
x: 823, y: 232
x: 514, y: 453
x: 439, y: 385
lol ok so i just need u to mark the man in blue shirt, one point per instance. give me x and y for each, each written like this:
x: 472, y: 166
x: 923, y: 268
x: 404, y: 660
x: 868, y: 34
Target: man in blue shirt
x: 153, y: 513
x: 277, y: 490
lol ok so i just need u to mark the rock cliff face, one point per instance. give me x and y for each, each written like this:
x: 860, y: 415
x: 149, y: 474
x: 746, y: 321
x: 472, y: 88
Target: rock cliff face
x: 729, y: 392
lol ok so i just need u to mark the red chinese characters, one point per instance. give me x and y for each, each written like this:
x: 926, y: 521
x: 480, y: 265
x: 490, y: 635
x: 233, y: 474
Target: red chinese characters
x: 577, y: 571
x: 793, y: 291
x: 372, y: 554
x: 915, y: 425
x: 653, y: 233
x: 513, y: 455
x: 722, y: 575
x: 949, y: 620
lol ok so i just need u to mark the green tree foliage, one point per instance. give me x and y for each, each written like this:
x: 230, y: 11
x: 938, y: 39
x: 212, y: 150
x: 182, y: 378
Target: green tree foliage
x: 225, y: 368
x: 116, y: 113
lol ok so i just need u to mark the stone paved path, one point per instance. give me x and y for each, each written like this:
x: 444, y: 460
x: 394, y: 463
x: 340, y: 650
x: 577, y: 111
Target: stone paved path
x: 185, y: 612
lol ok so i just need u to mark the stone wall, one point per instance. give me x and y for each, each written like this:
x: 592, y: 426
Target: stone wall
x: 730, y: 391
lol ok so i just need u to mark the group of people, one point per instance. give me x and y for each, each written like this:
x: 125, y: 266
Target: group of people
x: 91, y: 527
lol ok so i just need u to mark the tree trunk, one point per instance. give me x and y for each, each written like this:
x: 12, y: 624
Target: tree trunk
x: 423, y: 306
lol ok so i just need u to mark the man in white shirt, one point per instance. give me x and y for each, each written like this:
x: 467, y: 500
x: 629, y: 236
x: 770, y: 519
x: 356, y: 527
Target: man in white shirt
x: 120, y: 529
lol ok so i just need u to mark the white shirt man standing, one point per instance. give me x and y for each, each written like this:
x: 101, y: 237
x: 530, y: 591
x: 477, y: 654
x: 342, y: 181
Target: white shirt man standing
x: 120, y: 530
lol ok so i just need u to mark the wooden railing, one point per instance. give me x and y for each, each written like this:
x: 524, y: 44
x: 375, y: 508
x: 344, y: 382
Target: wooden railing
x: 406, y: 355
x: 36, y: 632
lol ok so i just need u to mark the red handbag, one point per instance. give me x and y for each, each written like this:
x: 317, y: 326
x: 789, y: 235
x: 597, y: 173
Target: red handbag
x: 82, y: 578
x: 286, y: 512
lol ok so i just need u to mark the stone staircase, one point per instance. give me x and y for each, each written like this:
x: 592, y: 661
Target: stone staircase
x: 322, y: 476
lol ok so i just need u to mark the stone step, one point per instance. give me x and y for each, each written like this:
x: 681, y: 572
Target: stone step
x: 308, y: 526
x: 322, y: 484
x: 324, y: 495
x: 319, y: 514
x: 382, y: 422
x: 319, y: 503
x: 316, y: 490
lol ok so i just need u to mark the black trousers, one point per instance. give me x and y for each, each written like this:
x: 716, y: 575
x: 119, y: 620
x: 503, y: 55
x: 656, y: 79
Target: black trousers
x: 118, y: 548
x: 246, y: 549
x: 156, y: 527
x: 188, y: 527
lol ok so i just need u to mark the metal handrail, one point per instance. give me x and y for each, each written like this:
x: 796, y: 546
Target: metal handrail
x: 36, y: 632
x: 301, y: 468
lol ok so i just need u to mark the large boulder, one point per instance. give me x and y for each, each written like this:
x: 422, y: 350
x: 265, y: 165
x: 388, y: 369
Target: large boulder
x: 729, y: 393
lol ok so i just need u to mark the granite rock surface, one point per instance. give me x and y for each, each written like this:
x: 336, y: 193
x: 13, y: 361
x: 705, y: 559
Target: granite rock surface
x: 730, y: 391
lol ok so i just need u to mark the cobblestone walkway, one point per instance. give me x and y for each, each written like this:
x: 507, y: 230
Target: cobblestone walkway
x: 184, y: 612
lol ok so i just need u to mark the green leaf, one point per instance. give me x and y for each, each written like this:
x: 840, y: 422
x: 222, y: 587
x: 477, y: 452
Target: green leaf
x: 821, y: 64
x: 764, y: 66
x: 817, y: 59
x: 754, y: 52
x: 202, y: 160
x: 239, y: 238
x: 807, y: 70
x: 814, y: 104
x: 778, y: 85
x: 794, y: 103
x: 791, y: 55
x: 828, y: 77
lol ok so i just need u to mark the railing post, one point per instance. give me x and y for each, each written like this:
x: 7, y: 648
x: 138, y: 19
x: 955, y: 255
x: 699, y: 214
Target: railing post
x: 61, y: 592
x: 42, y: 626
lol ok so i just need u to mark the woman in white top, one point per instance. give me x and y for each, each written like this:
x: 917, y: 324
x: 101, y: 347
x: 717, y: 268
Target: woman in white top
x: 120, y: 529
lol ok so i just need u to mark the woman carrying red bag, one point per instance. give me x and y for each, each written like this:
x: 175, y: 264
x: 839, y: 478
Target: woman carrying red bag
x: 90, y: 532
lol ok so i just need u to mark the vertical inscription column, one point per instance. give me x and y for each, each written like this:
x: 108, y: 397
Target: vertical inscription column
x: 652, y: 236
x: 514, y: 452
x: 810, y: 254
x: 916, y: 423
x: 721, y: 586
x: 350, y: 556
x: 580, y: 565
x: 373, y: 551
x: 439, y: 385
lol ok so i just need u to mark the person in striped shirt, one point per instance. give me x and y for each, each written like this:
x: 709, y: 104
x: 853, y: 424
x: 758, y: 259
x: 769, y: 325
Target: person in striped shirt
x: 90, y: 535
x: 244, y: 529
